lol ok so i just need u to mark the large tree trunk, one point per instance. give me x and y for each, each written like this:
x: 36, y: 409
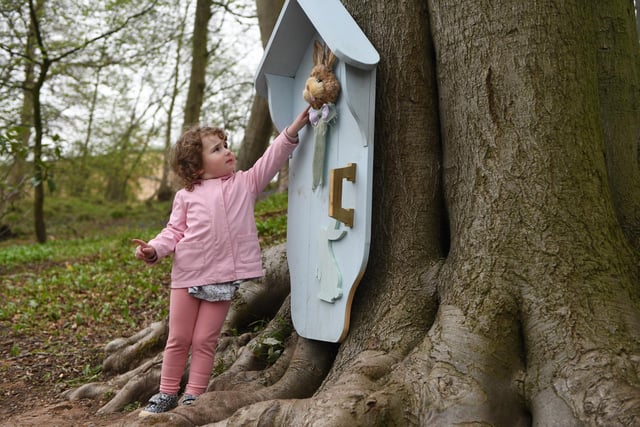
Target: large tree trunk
x: 535, y: 246
x: 501, y: 288
x: 618, y: 83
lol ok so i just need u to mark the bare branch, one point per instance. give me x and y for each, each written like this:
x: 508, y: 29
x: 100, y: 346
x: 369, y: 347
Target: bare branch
x: 89, y: 41
x: 227, y: 8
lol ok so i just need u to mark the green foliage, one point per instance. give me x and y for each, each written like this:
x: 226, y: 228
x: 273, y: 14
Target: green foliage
x: 10, y: 144
x: 81, y: 289
x: 130, y: 407
x: 271, y: 219
x: 74, y: 218
x: 269, y: 347
x: 89, y: 374
x: 272, y: 203
x: 219, y: 367
x: 78, y: 284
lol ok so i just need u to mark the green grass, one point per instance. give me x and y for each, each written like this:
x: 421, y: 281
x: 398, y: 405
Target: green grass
x: 84, y: 287
x: 271, y: 219
x: 78, y: 283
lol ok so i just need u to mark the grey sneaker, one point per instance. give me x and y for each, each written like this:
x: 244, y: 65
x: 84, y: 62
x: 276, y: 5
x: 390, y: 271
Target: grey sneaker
x: 161, y: 402
x: 188, y: 399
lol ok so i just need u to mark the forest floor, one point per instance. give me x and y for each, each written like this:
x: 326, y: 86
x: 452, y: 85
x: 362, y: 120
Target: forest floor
x: 30, y: 396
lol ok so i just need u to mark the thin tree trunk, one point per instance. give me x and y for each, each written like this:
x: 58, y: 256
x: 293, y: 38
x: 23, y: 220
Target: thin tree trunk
x: 19, y: 167
x: 259, y: 127
x: 199, y: 64
x: 81, y: 167
x: 39, y: 173
x: 164, y: 191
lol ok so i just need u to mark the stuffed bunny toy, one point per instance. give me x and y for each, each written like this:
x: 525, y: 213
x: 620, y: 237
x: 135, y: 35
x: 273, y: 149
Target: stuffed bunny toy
x: 322, y: 86
x: 321, y: 91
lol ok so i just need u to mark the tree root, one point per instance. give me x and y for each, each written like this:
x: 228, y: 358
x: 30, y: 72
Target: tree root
x: 308, y: 367
x: 261, y: 299
x: 127, y: 352
x: 138, y: 377
x: 248, y: 362
x: 136, y: 384
x: 347, y: 402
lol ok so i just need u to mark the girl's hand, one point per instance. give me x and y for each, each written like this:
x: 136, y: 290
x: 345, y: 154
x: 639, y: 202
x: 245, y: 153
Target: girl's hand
x: 144, y: 251
x: 299, y: 122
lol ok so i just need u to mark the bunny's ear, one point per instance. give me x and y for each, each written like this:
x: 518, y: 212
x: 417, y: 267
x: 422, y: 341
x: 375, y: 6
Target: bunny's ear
x: 330, y: 60
x: 318, y: 53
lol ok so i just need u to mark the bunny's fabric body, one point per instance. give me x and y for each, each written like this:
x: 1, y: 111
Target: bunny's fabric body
x: 320, y: 120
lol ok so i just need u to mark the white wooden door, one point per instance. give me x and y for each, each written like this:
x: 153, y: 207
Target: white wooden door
x: 328, y: 254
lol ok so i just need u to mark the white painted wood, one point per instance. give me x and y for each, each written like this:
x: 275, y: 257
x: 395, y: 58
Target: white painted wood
x: 280, y: 96
x: 341, y: 33
x: 326, y: 257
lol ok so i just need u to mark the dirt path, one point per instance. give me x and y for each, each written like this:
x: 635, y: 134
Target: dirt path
x: 60, y: 414
x: 32, y: 382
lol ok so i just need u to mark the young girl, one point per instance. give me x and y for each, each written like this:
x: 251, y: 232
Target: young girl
x: 213, y: 236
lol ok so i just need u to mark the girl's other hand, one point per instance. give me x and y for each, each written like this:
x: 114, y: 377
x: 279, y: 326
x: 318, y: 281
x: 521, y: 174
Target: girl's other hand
x: 144, y: 251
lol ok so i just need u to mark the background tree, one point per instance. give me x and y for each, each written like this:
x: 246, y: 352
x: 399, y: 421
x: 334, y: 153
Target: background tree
x: 46, y: 54
x: 114, y: 89
x: 199, y: 58
x: 165, y: 191
x: 259, y: 127
x: 121, y: 159
x: 81, y: 166
x: 17, y: 180
x: 503, y: 285
x: 214, y: 80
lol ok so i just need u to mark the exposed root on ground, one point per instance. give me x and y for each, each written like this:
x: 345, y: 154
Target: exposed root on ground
x: 307, y: 367
x: 123, y: 353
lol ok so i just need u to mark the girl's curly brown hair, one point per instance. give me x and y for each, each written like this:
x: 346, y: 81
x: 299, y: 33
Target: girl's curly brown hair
x: 186, y: 155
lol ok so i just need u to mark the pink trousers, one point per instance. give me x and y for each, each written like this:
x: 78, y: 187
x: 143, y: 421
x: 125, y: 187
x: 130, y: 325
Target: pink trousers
x: 195, y: 324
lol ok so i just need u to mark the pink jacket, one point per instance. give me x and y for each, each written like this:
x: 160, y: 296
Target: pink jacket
x: 212, y: 230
